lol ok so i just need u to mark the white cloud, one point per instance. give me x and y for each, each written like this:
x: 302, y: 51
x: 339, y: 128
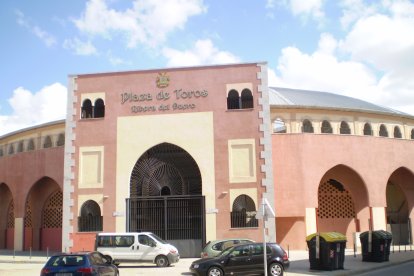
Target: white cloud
x: 79, y: 47
x: 304, y: 9
x: 147, y: 22
x: 203, y: 53
x: 47, y: 38
x: 31, y: 109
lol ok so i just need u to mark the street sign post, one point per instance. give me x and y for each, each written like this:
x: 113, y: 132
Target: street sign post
x: 264, y: 213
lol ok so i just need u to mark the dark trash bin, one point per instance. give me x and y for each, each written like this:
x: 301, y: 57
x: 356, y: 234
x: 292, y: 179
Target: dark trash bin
x: 330, y: 255
x: 380, y: 246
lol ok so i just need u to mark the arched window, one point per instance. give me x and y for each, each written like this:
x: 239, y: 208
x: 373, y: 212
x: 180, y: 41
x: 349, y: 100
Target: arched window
x: 243, y: 212
x: 86, y: 109
x: 246, y: 99
x: 11, y: 149
x: 61, y: 140
x: 20, y: 146
x: 383, y: 131
x: 233, y: 100
x: 279, y: 126
x: 99, y: 109
x: 412, y: 133
x: 326, y: 127
x: 30, y: 145
x: 47, y: 143
x: 90, y: 219
x: 367, y: 129
x: 344, y: 128
x: 397, y: 132
x: 307, y: 126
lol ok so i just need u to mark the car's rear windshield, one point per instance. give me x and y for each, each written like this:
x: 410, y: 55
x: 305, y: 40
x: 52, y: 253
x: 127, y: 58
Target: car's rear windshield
x: 67, y: 260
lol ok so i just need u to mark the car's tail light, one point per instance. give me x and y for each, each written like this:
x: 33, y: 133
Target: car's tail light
x: 285, y: 256
x: 204, y: 254
x: 85, y: 270
x: 44, y: 271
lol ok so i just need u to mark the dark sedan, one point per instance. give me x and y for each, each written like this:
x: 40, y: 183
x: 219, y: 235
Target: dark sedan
x: 79, y: 264
x: 243, y: 260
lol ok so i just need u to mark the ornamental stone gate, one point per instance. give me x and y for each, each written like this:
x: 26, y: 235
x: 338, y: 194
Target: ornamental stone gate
x: 165, y: 190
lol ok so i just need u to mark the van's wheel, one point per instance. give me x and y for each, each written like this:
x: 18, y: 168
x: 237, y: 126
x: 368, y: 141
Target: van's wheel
x: 215, y: 271
x: 161, y: 261
x: 276, y: 269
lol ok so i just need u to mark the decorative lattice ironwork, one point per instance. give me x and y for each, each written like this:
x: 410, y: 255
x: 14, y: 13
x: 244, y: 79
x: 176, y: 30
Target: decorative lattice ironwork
x: 335, y: 201
x: 10, y: 215
x: 52, y: 211
x: 90, y: 218
x: 165, y: 170
x: 28, y: 214
x: 243, y: 212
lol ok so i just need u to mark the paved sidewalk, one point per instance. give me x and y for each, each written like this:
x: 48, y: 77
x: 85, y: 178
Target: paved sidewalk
x: 353, y: 265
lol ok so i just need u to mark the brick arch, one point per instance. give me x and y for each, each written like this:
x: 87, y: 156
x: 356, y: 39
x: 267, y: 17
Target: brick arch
x: 37, y: 203
x: 6, y: 211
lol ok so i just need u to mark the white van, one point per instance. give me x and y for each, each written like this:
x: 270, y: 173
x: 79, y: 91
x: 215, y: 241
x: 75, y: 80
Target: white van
x: 136, y: 247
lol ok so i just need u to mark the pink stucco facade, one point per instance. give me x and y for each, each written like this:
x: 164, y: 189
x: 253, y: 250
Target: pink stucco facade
x: 363, y: 164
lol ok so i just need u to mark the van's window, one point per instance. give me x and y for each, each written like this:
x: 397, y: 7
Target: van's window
x: 124, y: 241
x: 145, y: 240
x: 105, y: 241
x: 158, y: 239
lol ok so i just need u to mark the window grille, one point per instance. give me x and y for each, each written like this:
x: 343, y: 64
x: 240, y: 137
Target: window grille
x: 344, y: 128
x: 90, y: 219
x: 246, y: 99
x: 99, y: 109
x: 383, y: 131
x: 397, y: 132
x: 52, y: 211
x: 334, y: 201
x: 86, y: 111
x: 233, y: 100
x: 10, y: 215
x: 61, y: 140
x: 367, y: 129
x: 28, y: 214
x: 326, y: 127
x: 307, y: 126
x: 243, y: 213
x: 20, y: 147
x: 31, y: 145
x: 47, y: 143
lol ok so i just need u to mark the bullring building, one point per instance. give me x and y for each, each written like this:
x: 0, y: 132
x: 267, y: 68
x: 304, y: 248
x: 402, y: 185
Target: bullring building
x: 189, y: 153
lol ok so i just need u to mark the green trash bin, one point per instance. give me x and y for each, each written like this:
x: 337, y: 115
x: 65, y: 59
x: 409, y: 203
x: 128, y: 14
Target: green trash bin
x: 379, y: 251
x: 328, y: 253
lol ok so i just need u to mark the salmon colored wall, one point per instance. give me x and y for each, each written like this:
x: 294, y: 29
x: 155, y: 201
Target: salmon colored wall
x: 83, y: 241
x: 233, y: 124
x: 364, y: 164
x: 28, y: 239
x: 290, y: 232
x: 51, y: 239
x: 9, y: 238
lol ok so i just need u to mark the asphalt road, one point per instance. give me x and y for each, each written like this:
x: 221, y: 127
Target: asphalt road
x: 405, y: 269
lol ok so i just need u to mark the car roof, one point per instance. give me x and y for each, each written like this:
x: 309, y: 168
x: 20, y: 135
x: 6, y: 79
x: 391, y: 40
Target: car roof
x: 232, y: 239
x: 123, y: 233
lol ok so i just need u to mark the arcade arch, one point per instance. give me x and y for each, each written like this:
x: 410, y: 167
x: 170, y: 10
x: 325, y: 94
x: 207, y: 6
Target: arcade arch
x: 400, y: 203
x: 6, y: 211
x: 165, y: 198
x: 43, y: 216
x: 343, y: 204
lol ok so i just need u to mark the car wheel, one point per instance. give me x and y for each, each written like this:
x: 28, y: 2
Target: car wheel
x: 161, y: 261
x: 215, y: 271
x: 275, y: 269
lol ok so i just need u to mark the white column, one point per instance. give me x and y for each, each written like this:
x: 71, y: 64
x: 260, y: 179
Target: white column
x: 18, y: 234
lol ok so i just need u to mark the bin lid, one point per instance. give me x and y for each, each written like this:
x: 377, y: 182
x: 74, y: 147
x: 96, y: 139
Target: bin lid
x: 329, y: 236
x: 377, y: 234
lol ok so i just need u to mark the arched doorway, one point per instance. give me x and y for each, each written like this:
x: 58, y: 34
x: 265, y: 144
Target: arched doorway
x: 342, y: 203
x: 165, y: 198
x: 43, y: 216
x: 6, y: 218
x: 400, y: 197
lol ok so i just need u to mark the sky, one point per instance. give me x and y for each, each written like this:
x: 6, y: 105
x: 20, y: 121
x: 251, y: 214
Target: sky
x: 362, y: 49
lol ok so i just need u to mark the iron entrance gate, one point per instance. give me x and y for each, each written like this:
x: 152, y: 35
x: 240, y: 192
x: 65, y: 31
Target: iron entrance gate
x: 180, y: 220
